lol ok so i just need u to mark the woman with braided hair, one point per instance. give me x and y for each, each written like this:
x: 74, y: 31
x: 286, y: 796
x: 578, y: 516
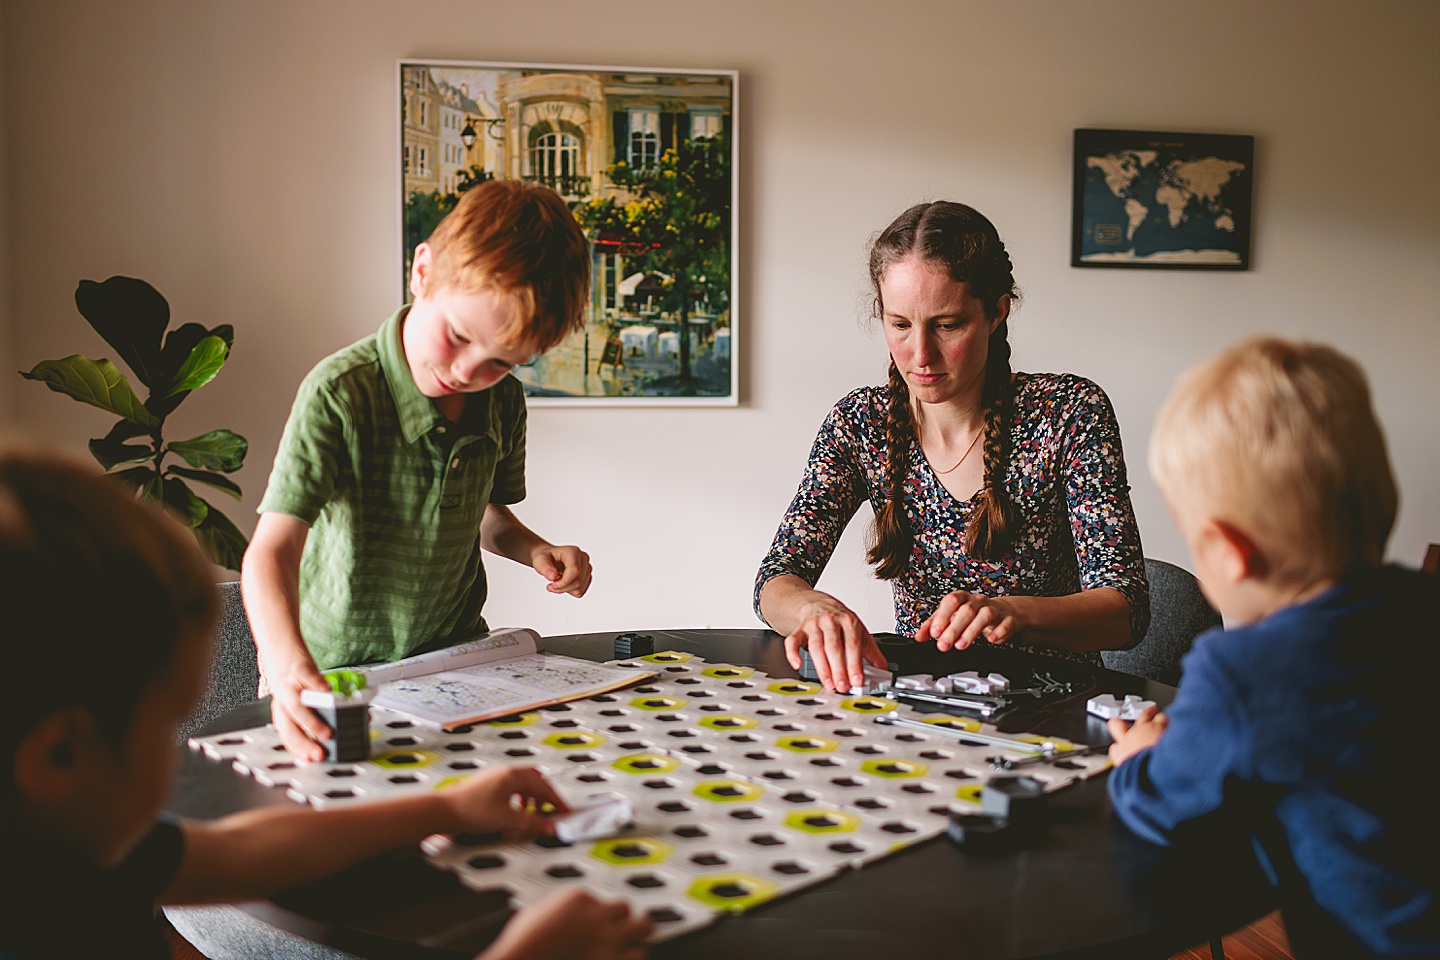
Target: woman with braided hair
x: 1002, y: 510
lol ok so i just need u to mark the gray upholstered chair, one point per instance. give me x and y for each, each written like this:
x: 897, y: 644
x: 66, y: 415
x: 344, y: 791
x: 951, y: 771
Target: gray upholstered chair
x: 1179, y: 613
x: 234, y: 672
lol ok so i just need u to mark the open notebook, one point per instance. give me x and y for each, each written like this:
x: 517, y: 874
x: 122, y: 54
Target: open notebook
x: 501, y: 673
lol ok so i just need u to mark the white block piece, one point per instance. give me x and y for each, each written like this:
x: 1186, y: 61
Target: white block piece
x: 972, y: 682
x: 1106, y: 707
x: 916, y: 681
x: 876, y: 681
x: 596, y: 817
x: 331, y: 699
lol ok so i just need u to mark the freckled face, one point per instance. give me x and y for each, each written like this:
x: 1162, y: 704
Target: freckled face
x: 453, y: 339
x: 452, y: 342
x: 937, y: 332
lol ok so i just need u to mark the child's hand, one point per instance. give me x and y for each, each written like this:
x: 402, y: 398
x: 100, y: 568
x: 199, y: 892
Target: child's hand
x: 1131, y: 738
x: 961, y: 618
x: 572, y: 925
x: 567, y: 568
x: 504, y: 800
x: 299, y: 726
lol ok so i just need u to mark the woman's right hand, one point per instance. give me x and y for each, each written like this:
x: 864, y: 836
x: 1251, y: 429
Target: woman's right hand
x: 839, y: 643
x: 572, y: 924
x: 299, y: 727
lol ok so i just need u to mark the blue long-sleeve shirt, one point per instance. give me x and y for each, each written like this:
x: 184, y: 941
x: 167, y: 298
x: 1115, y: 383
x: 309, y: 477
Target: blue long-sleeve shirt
x: 1322, y: 717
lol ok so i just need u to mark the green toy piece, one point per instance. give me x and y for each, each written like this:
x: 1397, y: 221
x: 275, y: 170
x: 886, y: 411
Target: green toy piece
x: 346, y: 682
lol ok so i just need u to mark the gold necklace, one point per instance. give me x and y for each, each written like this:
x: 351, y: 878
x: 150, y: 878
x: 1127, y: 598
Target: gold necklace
x: 957, y: 463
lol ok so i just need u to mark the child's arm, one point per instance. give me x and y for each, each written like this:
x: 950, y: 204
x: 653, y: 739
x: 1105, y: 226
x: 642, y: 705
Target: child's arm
x: 270, y: 581
x: 1184, y: 766
x: 253, y: 854
x: 566, y: 567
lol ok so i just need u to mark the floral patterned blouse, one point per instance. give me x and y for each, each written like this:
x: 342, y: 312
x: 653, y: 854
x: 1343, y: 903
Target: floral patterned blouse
x: 1066, y: 475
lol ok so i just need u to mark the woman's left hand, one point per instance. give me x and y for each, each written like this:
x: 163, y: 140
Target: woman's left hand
x: 961, y: 618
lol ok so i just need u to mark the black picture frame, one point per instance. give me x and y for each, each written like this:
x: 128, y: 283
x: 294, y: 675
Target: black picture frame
x: 1173, y: 201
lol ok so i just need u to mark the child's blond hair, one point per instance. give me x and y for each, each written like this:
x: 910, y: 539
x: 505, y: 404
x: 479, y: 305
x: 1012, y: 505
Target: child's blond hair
x: 1280, y: 439
x: 519, y: 240
x: 99, y: 592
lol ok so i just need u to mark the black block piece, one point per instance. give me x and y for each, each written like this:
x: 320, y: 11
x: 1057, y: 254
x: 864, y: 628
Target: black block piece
x: 978, y: 832
x: 807, y: 666
x: 1016, y: 799
x: 628, y: 645
x: 351, y: 729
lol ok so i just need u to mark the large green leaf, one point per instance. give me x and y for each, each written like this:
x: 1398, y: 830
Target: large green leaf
x: 131, y: 315
x: 112, y: 451
x: 221, y: 539
x: 200, y: 367
x: 179, y: 345
x: 216, y: 480
x: 96, y: 382
x: 181, y: 500
x: 222, y: 450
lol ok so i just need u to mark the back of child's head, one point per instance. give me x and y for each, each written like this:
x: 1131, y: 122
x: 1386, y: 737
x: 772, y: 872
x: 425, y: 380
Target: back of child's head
x: 1280, y: 439
x: 520, y: 240
x: 99, y: 592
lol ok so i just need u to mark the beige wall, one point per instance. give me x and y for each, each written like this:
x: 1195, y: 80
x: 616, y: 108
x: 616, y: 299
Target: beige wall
x: 241, y: 157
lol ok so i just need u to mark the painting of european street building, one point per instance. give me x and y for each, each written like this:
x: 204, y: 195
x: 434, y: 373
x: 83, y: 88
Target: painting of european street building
x: 645, y: 159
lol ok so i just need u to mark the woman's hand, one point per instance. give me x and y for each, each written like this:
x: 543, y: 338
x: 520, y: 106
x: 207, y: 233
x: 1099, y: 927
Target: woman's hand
x: 961, y: 618
x: 503, y: 799
x: 838, y: 642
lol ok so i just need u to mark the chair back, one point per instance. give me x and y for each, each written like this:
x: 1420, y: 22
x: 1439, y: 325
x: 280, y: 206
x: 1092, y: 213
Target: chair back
x: 234, y: 671
x: 1179, y: 613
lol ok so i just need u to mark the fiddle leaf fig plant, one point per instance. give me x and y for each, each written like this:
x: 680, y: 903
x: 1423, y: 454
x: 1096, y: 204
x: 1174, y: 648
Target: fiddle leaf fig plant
x: 133, y: 319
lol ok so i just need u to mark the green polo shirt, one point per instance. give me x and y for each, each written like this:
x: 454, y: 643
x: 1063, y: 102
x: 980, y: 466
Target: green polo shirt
x: 394, y: 494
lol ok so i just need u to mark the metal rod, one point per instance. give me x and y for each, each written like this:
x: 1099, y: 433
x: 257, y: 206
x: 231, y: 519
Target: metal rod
x: 985, y: 706
x: 988, y: 739
x: 1005, y: 763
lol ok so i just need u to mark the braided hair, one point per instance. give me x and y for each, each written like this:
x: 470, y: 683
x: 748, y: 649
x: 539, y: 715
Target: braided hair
x: 969, y: 246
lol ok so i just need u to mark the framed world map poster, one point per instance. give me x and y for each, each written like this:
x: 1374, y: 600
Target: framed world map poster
x: 645, y: 159
x: 1167, y: 200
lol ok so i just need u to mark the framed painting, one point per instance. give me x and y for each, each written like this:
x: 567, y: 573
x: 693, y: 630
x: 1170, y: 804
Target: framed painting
x: 645, y: 158
x: 1168, y: 200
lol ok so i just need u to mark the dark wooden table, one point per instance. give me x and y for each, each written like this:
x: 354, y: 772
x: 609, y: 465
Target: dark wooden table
x: 1082, y: 886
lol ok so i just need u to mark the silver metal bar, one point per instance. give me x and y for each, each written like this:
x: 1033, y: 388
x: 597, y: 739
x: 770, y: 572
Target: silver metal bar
x: 1005, y: 763
x: 894, y: 718
x: 985, y: 706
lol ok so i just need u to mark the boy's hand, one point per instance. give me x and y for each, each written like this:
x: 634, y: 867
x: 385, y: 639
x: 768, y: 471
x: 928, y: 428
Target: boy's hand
x: 504, y: 800
x: 572, y: 924
x: 1131, y: 738
x: 961, y: 618
x: 299, y: 726
x: 838, y: 642
x: 567, y: 568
